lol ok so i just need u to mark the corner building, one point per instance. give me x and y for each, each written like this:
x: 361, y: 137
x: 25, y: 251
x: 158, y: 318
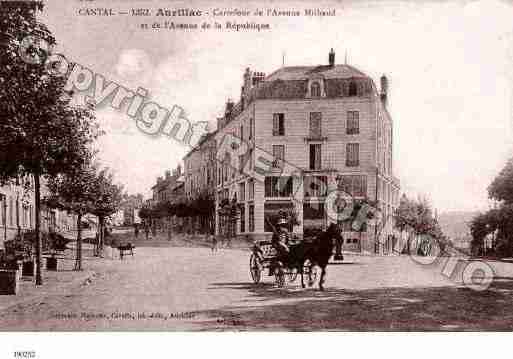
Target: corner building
x: 325, y: 122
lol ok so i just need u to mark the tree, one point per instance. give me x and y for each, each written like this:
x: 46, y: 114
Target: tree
x: 229, y: 212
x: 204, y: 206
x: 108, y: 200
x: 501, y: 188
x: 418, y: 215
x: 499, y: 220
x: 41, y: 133
x: 76, y: 192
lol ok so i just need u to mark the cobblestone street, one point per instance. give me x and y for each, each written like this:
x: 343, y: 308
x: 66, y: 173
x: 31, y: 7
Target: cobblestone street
x: 178, y: 288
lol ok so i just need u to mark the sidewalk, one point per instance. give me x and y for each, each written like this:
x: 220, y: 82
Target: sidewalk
x: 55, y: 283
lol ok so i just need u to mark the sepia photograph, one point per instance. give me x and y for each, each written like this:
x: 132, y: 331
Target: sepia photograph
x: 255, y: 166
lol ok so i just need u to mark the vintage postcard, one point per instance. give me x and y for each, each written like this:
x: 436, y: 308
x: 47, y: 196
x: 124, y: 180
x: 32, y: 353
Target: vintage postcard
x: 256, y: 166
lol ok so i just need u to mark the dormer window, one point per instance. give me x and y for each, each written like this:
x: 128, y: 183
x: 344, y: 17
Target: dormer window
x: 315, y: 89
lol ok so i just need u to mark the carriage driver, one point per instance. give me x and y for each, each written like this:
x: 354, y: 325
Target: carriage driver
x: 281, y: 238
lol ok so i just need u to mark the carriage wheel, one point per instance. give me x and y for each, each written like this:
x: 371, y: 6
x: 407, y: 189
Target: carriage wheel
x: 310, y: 271
x: 255, y: 269
x: 292, y: 274
x: 279, y: 275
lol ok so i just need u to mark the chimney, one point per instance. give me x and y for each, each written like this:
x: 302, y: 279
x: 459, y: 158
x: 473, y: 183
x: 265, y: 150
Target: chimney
x: 257, y: 78
x: 384, y: 89
x: 159, y: 180
x: 331, y: 58
x: 179, y: 170
x: 228, y: 110
x: 247, y: 80
x: 168, y: 174
x: 220, y: 122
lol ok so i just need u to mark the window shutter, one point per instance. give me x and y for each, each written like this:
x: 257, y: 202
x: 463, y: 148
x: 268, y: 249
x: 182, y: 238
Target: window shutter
x: 317, y: 156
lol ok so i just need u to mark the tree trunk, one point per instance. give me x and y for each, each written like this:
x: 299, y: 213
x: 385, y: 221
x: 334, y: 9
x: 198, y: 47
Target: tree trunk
x: 78, y: 259
x: 101, y: 236
x: 38, y: 244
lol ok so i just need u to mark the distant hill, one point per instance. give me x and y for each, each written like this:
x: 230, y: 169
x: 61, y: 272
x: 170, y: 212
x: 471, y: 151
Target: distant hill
x: 456, y: 225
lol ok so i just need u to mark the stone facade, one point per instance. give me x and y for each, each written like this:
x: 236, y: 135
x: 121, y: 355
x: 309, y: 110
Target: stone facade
x: 163, y: 189
x: 17, y: 212
x: 200, y: 168
x: 316, y: 125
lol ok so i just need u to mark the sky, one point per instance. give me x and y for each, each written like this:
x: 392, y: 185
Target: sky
x: 449, y: 66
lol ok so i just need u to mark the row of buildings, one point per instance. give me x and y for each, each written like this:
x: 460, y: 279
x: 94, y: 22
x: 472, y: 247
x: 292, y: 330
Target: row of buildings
x: 17, y: 212
x: 292, y: 137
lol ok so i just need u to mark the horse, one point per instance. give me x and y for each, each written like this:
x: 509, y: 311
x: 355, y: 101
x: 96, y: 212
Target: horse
x: 318, y: 252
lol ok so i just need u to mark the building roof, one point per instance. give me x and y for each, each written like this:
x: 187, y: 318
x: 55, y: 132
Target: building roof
x: 306, y: 72
x: 200, y: 143
x: 291, y: 82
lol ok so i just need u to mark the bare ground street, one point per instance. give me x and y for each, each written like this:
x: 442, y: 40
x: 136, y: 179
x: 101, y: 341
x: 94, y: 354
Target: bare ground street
x: 178, y: 288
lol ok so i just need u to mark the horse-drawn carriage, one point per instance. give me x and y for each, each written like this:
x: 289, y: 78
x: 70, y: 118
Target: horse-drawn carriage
x: 264, y: 258
x: 304, y: 259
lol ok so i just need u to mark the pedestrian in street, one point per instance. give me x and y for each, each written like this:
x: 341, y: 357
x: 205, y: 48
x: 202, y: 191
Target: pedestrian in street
x: 147, y: 231
x: 136, y: 230
x: 214, y: 243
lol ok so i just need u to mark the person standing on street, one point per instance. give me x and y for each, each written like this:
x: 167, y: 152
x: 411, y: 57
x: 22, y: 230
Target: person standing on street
x: 147, y: 230
x: 214, y: 243
x: 136, y: 230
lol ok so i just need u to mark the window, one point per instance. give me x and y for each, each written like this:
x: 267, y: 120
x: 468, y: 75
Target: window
x: 279, y: 155
x: 353, y: 123
x: 251, y: 189
x: 11, y: 212
x: 242, y: 192
x: 352, y: 154
x: 315, y: 124
x: 251, y: 160
x: 278, y: 186
x: 241, y: 163
x: 2, y: 208
x: 251, y: 125
x: 242, y: 132
x: 315, y: 156
x: 353, y: 89
x: 315, y: 89
x: 313, y: 210
x: 278, y: 124
x: 242, y: 209
x: 314, y: 218
x: 251, y: 218
x: 315, y: 186
x: 355, y: 185
x: 25, y: 216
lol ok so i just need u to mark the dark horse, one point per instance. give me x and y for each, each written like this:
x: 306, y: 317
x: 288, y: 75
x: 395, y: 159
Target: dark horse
x: 317, y: 252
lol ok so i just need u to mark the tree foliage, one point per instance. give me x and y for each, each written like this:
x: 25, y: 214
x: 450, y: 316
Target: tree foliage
x: 77, y: 192
x: 499, y: 220
x: 107, y: 201
x: 41, y: 133
x: 501, y: 188
x: 417, y: 214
